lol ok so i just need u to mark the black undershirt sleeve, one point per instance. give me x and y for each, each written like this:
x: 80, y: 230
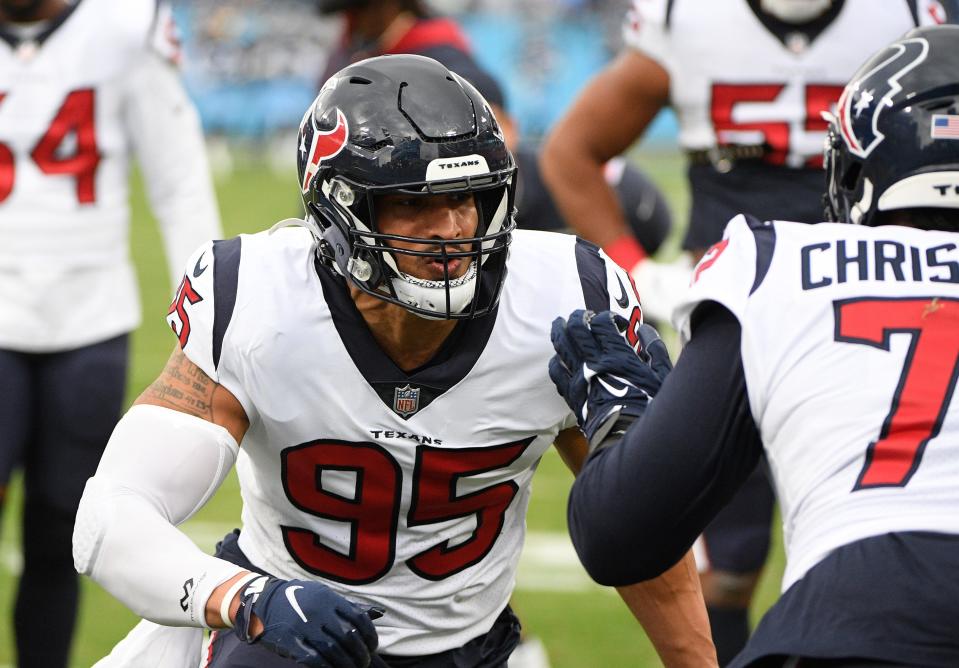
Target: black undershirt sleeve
x: 639, y: 504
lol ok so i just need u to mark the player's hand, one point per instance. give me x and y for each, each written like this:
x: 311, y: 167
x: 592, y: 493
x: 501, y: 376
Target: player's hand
x: 604, y: 380
x: 308, y: 622
x: 662, y: 285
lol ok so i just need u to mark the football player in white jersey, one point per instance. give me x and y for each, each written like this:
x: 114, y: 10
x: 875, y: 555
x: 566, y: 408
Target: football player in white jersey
x: 834, y: 349
x: 84, y: 86
x: 747, y: 80
x: 382, y: 387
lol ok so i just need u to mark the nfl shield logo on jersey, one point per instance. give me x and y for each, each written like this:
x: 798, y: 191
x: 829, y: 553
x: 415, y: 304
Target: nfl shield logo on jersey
x: 406, y: 400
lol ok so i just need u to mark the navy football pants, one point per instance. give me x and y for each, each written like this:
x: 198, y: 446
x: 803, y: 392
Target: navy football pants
x: 56, y: 415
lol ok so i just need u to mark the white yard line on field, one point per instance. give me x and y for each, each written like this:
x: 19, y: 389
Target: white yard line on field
x: 548, y: 562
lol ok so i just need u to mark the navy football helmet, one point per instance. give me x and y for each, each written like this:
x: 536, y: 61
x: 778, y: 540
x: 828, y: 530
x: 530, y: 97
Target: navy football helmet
x: 405, y: 124
x: 894, y: 140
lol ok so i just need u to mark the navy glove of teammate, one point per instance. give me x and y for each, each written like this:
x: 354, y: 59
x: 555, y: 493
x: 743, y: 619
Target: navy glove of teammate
x: 308, y: 622
x: 604, y: 380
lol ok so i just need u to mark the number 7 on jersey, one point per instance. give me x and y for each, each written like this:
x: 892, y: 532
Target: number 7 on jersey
x: 926, y: 385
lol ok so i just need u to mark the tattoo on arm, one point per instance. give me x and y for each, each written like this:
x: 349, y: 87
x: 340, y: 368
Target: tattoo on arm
x: 184, y: 387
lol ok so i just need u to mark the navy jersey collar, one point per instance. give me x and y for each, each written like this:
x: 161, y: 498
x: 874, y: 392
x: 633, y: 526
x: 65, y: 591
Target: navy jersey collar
x: 783, y: 30
x: 451, y: 363
x: 11, y: 37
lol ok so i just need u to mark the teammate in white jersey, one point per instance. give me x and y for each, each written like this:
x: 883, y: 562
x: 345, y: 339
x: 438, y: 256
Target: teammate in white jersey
x: 747, y: 80
x: 388, y: 388
x: 834, y: 349
x: 84, y: 86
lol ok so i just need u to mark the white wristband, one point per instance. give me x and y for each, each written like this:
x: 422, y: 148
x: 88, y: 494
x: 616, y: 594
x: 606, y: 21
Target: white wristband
x: 230, y: 593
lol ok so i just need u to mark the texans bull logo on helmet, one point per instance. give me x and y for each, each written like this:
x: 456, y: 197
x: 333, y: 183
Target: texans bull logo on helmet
x: 317, y: 146
x: 860, y: 107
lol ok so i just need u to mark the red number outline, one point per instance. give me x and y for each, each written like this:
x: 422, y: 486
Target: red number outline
x: 376, y: 503
x: 184, y: 293
x: 926, y: 384
x: 434, y: 500
x: 301, y: 466
x: 709, y: 258
x: 77, y: 114
x: 817, y: 98
x: 723, y: 100
x: 8, y: 167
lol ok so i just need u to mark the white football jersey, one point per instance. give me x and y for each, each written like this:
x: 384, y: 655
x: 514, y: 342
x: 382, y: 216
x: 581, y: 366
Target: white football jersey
x: 76, y: 99
x: 403, y: 490
x: 850, y: 348
x: 733, y: 80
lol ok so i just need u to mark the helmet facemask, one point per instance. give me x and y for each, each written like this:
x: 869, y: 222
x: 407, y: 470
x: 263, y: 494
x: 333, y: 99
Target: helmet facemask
x: 848, y: 198
x: 372, y: 263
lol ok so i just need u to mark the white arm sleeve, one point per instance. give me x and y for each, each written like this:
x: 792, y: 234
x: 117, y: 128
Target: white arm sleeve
x: 150, y: 645
x: 168, y: 139
x: 158, y: 469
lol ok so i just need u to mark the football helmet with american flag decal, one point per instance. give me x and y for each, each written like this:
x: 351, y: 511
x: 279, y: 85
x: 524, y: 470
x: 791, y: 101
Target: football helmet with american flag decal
x: 893, y: 142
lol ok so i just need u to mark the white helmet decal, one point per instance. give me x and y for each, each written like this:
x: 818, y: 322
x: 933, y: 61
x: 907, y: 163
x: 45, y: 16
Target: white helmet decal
x: 855, y: 101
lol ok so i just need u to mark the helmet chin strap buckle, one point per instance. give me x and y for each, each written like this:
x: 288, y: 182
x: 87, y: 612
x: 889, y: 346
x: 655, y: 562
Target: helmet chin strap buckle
x: 359, y: 269
x: 344, y: 194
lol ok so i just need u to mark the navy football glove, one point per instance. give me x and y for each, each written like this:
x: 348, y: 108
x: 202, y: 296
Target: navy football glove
x: 604, y: 380
x: 308, y: 622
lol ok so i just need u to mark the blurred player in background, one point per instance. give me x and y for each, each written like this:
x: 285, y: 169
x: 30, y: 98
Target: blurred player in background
x: 371, y: 366
x: 83, y: 86
x: 834, y: 349
x: 748, y: 80
x: 407, y: 26
x: 643, y: 205
x: 377, y: 27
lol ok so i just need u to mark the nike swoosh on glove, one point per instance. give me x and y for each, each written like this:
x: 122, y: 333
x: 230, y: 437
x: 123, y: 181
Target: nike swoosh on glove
x: 603, y: 380
x: 308, y: 622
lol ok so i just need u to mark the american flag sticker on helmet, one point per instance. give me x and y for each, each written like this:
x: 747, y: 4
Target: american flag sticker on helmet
x: 945, y: 126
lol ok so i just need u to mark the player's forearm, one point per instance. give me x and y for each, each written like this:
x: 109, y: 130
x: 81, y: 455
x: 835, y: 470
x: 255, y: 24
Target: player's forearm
x: 573, y: 173
x: 638, y: 505
x: 670, y: 609
x: 615, y: 514
x: 609, y: 114
x: 143, y: 561
x: 224, y: 602
x: 573, y: 448
x: 159, y: 467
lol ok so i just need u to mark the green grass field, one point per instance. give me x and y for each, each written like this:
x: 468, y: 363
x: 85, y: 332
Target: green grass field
x: 582, y: 625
